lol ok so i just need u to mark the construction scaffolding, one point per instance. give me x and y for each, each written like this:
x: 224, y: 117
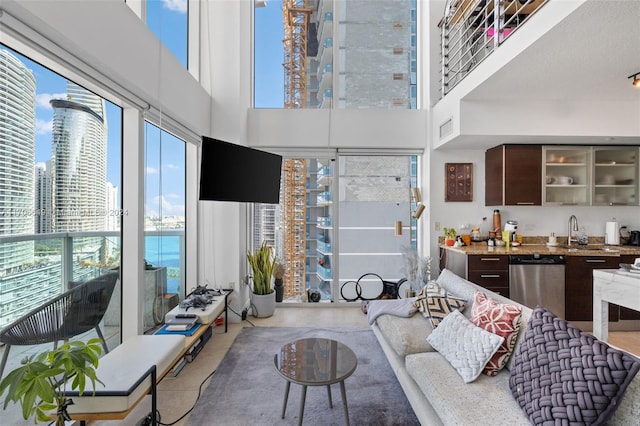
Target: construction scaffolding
x: 294, y: 221
x: 296, y: 16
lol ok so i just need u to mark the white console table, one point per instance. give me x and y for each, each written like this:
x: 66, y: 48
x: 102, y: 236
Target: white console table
x: 612, y: 286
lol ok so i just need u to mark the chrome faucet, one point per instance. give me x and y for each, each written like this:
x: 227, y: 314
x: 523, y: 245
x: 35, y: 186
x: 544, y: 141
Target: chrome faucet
x: 573, y: 220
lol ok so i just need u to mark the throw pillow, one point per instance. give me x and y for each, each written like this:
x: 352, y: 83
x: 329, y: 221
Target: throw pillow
x: 466, y: 347
x: 561, y: 375
x: 498, y: 318
x: 435, y: 303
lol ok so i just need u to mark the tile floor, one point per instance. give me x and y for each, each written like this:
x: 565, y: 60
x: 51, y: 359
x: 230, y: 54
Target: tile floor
x: 177, y: 395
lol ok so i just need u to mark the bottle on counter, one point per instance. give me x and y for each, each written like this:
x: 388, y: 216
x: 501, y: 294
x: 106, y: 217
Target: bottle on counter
x: 497, y: 221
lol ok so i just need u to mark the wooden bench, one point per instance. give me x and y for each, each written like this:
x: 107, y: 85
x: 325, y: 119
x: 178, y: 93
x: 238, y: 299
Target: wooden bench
x: 129, y: 372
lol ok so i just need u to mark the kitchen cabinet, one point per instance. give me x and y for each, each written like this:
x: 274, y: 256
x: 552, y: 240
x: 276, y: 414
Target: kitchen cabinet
x: 615, y: 176
x: 567, y: 178
x: 513, y: 175
x: 489, y: 271
x: 579, y: 286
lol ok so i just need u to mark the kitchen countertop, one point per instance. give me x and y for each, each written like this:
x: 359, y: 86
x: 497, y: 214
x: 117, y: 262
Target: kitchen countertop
x: 575, y: 250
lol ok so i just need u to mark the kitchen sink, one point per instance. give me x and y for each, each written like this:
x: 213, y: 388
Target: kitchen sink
x: 591, y: 248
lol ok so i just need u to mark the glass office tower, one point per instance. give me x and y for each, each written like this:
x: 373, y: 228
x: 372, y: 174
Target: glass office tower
x: 17, y: 153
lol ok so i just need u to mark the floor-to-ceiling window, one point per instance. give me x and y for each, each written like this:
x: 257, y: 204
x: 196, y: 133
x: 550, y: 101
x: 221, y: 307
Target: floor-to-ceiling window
x: 60, y: 183
x: 164, y: 204
x: 336, y: 221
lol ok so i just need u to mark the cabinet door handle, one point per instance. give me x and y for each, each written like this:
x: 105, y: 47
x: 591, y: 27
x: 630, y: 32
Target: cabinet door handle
x: 490, y: 276
x: 484, y: 259
x: 595, y: 260
x: 525, y: 203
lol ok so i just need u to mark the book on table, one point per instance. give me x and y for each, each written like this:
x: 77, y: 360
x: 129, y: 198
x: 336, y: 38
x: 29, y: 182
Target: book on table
x: 181, y: 324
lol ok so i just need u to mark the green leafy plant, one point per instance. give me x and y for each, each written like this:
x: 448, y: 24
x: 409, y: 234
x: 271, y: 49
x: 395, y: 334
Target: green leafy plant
x: 262, y: 263
x: 39, y: 385
x: 450, y: 233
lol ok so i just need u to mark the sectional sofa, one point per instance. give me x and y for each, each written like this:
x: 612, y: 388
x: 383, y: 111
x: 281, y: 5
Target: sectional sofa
x: 439, y: 395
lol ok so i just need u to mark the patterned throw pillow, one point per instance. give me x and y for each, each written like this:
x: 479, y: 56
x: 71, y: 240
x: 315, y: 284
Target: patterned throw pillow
x: 561, y: 375
x: 467, y: 348
x: 501, y: 319
x: 435, y: 303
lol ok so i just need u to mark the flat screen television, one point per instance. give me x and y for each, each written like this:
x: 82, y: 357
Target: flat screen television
x: 230, y: 172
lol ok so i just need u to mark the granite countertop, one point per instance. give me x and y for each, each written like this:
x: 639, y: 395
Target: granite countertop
x: 530, y: 248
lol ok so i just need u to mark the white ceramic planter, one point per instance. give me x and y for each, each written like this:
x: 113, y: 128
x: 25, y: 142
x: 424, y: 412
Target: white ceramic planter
x: 263, y: 305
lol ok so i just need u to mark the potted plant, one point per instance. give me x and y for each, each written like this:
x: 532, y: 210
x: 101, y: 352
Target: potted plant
x: 263, y: 298
x: 41, y: 383
x: 450, y: 236
x: 278, y: 275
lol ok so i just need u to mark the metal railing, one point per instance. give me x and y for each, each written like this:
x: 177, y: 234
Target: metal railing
x: 472, y: 29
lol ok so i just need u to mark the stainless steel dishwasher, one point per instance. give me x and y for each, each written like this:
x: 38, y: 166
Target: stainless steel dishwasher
x: 536, y: 279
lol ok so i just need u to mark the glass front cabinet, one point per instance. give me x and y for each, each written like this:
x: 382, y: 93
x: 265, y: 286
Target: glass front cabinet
x: 593, y: 175
x: 567, y: 176
x: 615, y: 176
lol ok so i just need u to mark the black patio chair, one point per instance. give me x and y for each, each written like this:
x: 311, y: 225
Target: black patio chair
x: 72, y: 313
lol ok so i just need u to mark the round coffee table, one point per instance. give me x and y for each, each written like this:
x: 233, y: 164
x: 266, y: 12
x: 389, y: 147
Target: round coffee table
x: 315, y: 362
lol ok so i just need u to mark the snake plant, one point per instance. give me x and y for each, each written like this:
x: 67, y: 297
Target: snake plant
x: 262, y: 263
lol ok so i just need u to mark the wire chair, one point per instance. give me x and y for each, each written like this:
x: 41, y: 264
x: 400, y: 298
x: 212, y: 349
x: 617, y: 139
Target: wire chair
x: 72, y: 313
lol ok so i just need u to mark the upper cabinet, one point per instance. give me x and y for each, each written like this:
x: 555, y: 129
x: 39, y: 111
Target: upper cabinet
x: 532, y: 175
x: 512, y: 175
x: 615, y: 176
x: 567, y: 177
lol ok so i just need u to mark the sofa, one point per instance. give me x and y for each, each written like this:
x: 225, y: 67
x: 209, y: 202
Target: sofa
x: 437, y: 391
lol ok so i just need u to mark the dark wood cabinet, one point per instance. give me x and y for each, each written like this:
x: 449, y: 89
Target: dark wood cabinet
x: 579, y: 286
x: 513, y: 175
x: 489, y: 271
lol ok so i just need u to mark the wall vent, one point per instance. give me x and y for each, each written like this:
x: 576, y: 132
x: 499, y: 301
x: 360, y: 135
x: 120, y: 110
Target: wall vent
x: 398, y: 50
x: 446, y: 128
x: 398, y: 76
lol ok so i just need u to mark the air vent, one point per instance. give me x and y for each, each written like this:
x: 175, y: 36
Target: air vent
x: 398, y: 76
x: 446, y: 128
x: 398, y: 50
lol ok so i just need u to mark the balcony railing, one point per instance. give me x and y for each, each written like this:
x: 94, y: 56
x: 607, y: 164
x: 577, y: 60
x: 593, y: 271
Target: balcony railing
x: 472, y: 29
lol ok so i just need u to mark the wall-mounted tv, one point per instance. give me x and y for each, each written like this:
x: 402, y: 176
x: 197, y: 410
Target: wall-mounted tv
x: 230, y: 172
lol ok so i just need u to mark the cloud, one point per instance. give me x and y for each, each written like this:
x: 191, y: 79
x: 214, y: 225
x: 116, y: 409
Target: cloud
x: 151, y: 171
x: 176, y: 5
x: 160, y: 203
x: 42, y: 99
x: 43, y: 127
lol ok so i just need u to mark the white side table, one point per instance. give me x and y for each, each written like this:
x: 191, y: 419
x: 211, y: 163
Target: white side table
x: 612, y: 286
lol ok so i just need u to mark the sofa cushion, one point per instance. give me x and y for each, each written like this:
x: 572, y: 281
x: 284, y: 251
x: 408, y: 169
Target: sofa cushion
x: 435, y: 303
x: 561, y: 374
x: 498, y: 318
x: 467, y: 347
x: 406, y: 335
x: 485, y: 401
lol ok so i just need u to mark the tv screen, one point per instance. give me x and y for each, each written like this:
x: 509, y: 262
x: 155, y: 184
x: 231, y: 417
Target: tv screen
x: 230, y: 172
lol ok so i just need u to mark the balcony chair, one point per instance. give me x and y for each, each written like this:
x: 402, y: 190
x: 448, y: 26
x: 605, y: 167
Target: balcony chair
x: 72, y: 313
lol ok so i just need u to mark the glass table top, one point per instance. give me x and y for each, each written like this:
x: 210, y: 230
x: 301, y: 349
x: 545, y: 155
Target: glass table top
x: 315, y: 361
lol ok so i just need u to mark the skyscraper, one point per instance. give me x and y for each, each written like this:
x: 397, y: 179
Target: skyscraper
x: 78, y: 161
x: 42, y: 200
x: 17, y: 153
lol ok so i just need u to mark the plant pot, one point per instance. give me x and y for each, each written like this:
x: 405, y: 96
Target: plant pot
x: 449, y: 241
x: 279, y: 286
x: 263, y: 305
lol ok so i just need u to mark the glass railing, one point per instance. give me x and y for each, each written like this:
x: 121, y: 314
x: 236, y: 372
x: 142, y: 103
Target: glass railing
x: 472, y: 29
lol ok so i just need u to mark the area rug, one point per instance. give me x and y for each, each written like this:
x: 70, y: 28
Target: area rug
x: 247, y: 390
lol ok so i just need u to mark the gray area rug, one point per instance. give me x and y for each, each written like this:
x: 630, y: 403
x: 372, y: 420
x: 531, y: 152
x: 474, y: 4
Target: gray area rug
x: 247, y: 390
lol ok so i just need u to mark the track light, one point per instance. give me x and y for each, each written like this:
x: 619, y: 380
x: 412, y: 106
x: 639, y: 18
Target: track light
x: 636, y: 80
x: 419, y: 211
